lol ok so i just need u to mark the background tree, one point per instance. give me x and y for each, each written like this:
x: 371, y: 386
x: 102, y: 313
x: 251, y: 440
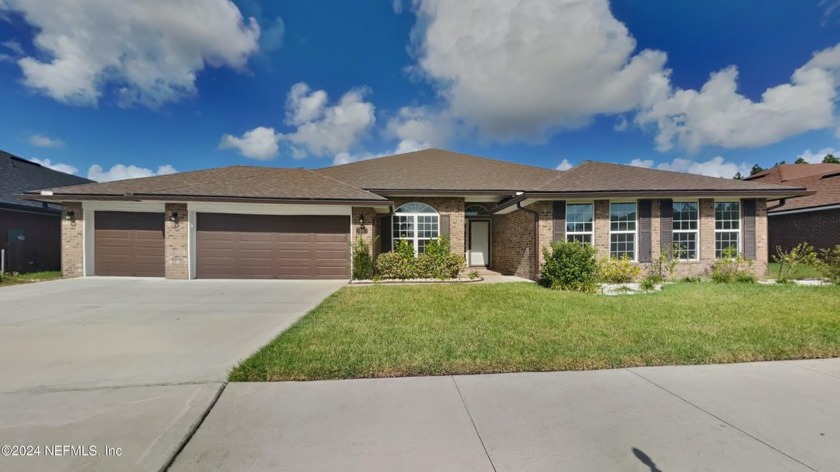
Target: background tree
x: 801, y: 161
x: 738, y: 176
x: 830, y: 159
x: 756, y: 169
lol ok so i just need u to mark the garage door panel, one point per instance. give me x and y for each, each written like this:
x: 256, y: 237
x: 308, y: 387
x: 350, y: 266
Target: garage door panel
x: 129, y: 244
x: 273, y: 246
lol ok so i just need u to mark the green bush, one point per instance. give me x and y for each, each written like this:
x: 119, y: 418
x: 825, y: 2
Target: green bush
x: 801, y: 254
x: 733, y: 267
x: 618, y: 270
x: 393, y: 265
x: 438, y: 262
x: 362, y: 260
x: 829, y: 263
x: 569, y: 266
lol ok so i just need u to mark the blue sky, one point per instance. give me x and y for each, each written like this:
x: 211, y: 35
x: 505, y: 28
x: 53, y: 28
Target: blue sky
x: 137, y: 88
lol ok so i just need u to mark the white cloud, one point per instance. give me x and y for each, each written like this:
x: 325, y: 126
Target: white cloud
x: 404, y: 146
x: 817, y: 157
x: 14, y: 46
x: 322, y: 129
x: 44, y: 141
x: 421, y: 125
x: 121, y: 172
x: 564, y: 165
x: 259, y: 143
x: 397, y: 5
x: 149, y: 52
x: 714, y: 167
x: 523, y: 70
x: 66, y: 168
x: 719, y: 115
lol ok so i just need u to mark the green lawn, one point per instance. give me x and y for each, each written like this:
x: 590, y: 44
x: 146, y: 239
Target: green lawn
x: 802, y: 272
x: 9, y: 279
x: 388, y: 331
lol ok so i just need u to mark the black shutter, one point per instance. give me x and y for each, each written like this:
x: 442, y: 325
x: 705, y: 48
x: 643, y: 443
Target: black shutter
x: 385, y: 232
x: 645, y: 207
x: 666, y: 226
x: 748, y: 207
x: 559, y: 221
x: 444, y: 226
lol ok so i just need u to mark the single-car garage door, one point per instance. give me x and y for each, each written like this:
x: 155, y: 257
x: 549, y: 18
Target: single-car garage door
x: 232, y: 246
x: 129, y: 243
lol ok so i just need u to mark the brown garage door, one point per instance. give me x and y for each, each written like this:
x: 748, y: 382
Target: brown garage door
x: 129, y: 243
x: 272, y: 247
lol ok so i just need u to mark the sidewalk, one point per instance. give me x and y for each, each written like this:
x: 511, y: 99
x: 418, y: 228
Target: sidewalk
x: 771, y: 416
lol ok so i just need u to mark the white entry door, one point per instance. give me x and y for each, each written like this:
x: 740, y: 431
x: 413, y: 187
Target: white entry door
x: 479, y: 243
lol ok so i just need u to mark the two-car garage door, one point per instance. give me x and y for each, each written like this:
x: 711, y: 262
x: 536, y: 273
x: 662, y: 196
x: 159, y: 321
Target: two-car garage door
x: 228, y: 246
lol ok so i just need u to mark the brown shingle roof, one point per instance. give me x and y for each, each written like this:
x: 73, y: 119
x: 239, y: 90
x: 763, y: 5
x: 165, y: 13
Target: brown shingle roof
x: 786, y: 172
x: 234, y: 182
x: 439, y: 170
x: 599, y: 176
x: 826, y: 188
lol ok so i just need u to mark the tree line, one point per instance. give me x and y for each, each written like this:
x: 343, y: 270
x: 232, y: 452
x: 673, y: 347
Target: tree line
x: 828, y: 159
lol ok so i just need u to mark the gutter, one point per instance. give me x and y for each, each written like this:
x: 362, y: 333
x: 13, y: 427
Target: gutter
x: 59, y: 198
x: 536, y: 236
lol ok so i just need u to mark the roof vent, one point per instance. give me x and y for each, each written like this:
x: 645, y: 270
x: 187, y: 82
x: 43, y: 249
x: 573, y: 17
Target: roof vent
x: 46, y: 192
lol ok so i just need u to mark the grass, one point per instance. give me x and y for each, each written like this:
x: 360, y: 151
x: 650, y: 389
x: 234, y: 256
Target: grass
x: 16, y: 279
x: 802, y: 272
x: 389, y: 331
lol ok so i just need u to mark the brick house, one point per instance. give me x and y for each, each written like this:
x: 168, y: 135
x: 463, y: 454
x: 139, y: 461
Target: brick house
x: 814, y: 218
x: 257, y: 222
x: 30, y: 232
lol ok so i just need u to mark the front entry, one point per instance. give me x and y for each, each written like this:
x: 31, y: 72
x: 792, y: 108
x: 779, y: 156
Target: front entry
x: 479, y: 243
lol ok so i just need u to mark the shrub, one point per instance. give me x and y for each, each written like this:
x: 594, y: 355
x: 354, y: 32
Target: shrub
x: 801, y: 254
x: 666, y: 265
x: 618, y: 270
x: 733, y: 267
x: 399, y: 264
x: 362, y: 260
x: 438, y: 262
x: 829, y: 263
x: 570, y: 266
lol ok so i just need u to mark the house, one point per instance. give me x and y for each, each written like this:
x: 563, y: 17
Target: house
x: 815, y: 218
x: 30, y: 232
x: 258, y: 222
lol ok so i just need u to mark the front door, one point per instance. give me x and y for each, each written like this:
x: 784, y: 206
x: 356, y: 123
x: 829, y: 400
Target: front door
x: 479, y: 243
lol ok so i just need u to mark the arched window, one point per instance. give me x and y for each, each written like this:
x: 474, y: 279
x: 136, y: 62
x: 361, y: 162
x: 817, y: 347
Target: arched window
x: 416, y: 223
x: 476, y: 210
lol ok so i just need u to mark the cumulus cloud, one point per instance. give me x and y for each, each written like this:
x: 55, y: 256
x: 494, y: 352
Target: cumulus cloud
x: 817, y: 157
x: 422, y: 126
x: 121, y: 172
x: 719, y: 115
x: 523, y: 70
x: 44, y: 141
x: 714, y: 167
x: 404, y: 146
x: 564, y: 165
x: 66, y: 168
x: 259, y: 143
x: 147, y: 52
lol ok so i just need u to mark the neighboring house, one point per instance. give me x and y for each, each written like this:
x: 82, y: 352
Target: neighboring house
x: 814, y: 219
x: 30, y: 232
x: 257, y: 222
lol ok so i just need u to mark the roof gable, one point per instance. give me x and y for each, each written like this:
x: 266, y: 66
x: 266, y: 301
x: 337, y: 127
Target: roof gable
x: 18, y: 175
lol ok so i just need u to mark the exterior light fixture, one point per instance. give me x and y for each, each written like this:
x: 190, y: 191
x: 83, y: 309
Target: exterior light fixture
x: 173, y: 217
x: 70, y: 215
x: 361, y: 221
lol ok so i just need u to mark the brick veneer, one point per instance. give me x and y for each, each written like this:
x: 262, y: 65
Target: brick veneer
x: 368, y: 233
x: 177, y: 237
x: 513, y: 241
x: 820, y: 229
x: 454, y: 207
x: 72, y: 241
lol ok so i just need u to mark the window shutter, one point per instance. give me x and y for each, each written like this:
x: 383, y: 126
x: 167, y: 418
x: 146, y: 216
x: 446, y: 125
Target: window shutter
x: 444, y: 226
x: 748, y: 207
x: 645, y: 207
x: 385, y: 232
x: 666, y: 228
x: 559, y: 221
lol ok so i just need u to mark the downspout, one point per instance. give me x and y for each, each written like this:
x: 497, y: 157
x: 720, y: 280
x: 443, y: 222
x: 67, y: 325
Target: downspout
x: 536, y: 237
x: 779, y: 205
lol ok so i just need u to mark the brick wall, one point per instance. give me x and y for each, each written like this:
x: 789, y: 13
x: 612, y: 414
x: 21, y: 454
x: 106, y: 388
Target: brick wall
x: 454, y: 207
x: 820, y: 229
x: 41, y: 247
x: 177, y: 236
x: 72, y: 242
x: 513, y: 241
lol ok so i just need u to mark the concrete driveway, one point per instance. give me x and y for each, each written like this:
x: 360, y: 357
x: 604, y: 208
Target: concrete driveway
x: 133, y: 364
x: 775, y: 416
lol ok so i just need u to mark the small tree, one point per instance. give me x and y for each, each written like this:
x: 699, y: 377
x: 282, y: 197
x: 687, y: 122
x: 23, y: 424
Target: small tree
x: 829, y: 263
x: 362, y: 260
x: 570, y: 266
x: 801, y: 254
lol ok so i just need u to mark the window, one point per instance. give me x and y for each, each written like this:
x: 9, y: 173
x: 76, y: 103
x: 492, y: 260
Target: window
x: 416, y: 223
x: 579, y: 218
x: 727, y: 227
x: 685, y: 230
x: 476, y: 210
x: 623, y: 230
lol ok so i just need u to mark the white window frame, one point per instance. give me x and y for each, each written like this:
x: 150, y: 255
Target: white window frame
x: 737, y: 231
x: 591, y: 233
x: 414, y: 239
x: 695, y: 231
x: 635, y: 232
